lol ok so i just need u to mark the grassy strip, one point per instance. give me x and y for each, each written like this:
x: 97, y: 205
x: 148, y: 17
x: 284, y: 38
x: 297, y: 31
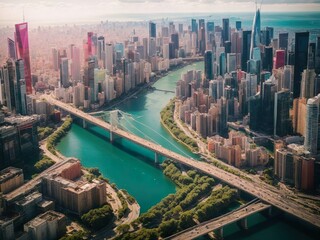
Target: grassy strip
x: 54, y: 138
x: 167, y: 120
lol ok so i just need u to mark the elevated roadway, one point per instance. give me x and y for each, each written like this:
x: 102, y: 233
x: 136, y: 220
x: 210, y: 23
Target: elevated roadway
x: 219, y: 222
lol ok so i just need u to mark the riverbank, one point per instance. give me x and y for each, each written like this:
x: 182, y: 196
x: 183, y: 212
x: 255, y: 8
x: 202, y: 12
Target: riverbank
x: 197, y: 200
x: 167, y: 121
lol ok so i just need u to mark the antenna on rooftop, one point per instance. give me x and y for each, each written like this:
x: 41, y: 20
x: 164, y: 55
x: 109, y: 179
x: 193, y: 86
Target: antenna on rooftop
x: 23, y: 14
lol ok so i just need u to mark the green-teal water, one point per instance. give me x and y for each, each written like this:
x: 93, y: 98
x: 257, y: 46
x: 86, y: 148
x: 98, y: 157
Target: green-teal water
x: 131, y: 167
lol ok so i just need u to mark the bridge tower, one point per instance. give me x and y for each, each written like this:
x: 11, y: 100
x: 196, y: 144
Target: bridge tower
x: 114, y: 121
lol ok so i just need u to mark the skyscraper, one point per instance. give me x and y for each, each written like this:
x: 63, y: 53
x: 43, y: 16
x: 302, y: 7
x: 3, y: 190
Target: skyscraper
x: 308, y: 84
x: 225, y: 30
x: 300, y: 60
x: 311, y: 131
x: 101, y: 48
x: 208, y: 65
x: 238, y: 25
x: 194, y: 25
x: 279, y: 59
x: 11, y: 49
x: 311, y: 55
x: 283, y: 41
x: 152, y: 30
x: 281, y: 113
x: 75, y: 63
x: 109, y: 58
x: 317, y: 57
x: 246, y: 36
x: 64, y: 73
x: 20, y: 88
x: 22, y: 49
x: 175, y: 40
x: 256, y: 31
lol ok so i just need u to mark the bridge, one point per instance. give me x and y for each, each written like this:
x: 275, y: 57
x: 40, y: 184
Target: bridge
x: 238, y: 215
x: 268, y: 194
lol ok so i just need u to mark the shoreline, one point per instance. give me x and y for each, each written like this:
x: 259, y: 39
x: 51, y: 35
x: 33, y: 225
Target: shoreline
x: 139, y: 89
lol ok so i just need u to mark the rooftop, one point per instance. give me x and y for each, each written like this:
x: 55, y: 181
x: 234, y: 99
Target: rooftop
x: 9, y: 172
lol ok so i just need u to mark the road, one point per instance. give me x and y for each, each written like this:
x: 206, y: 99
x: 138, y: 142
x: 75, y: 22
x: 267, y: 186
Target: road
x: 257, y: 189
x: 219, y: 222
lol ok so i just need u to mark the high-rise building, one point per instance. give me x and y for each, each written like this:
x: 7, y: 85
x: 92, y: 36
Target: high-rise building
x: 311, y: 55
x: 11, y: 49
x: 210, y: 27
x: 308, y: 84
x: 20, y: 88
x: 109, y: 58
x: 268, y: 94
x: 238, y: 25
x: 311, y: 128
x: 270, y: 31
x: 175, y: 41
x: 279, y: 59
x: 225, y: 30
x: 64, y: 73
x: 267, y: 58
x: 246, y: 40
x: 152, y: 47
x: 208, y: 65
x: 152, y: 30
x: 300, y: 60
x: 22, y: 50
x: 254, y: 112
x: 283, y: 41
x: 231, y: 62
x: 101, y: 49
x: 256, y: 31
x: 202, y: 40
x: 317, y: 57
x: 75, y: 64
x: 281, y: 113
x: 194, y: 25
x: 55, y: 59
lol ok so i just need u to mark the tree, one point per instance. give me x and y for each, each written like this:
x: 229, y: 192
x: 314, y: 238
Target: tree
x: 98, y: 218
x: 168, y: 228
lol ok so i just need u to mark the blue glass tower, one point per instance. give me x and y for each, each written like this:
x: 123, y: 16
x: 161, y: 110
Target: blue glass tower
x: 256, y: 30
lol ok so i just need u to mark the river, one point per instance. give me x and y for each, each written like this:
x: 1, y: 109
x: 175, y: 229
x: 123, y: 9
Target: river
x: 132, y: 168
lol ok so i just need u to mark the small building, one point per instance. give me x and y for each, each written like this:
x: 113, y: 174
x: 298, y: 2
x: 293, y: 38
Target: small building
x: 10, y: 179
x: 50, y: 225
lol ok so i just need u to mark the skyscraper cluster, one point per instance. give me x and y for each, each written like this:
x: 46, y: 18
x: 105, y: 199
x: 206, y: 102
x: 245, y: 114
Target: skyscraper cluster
x: 253, y: 77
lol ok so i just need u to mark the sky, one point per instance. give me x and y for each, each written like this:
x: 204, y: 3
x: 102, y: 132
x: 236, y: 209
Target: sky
x: 58, y: 11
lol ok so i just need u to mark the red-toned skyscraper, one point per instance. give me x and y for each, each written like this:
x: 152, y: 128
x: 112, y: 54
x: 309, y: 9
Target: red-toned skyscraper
x: 279, y: 59
x: 22, y: 48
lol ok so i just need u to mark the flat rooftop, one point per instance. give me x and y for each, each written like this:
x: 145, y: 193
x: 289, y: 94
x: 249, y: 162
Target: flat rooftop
x: 9, y: 172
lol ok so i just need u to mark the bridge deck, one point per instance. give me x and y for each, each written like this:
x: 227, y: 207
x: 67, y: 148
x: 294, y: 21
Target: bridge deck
x: 266, y: 193
x: 219, y: 222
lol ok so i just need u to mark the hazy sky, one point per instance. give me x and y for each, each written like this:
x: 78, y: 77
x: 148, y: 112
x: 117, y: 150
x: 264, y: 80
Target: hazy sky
x: 78, y: 10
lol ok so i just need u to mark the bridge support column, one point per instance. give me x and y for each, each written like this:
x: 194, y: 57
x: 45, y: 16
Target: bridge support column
x: 111, y: 136
x: 220, y: 233
x: 270, y: 211
x: 84, y: 123
x: 243, y: 223
x: 156, y: 158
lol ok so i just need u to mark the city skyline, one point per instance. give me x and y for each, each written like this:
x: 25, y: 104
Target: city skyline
x: 81, y: 11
